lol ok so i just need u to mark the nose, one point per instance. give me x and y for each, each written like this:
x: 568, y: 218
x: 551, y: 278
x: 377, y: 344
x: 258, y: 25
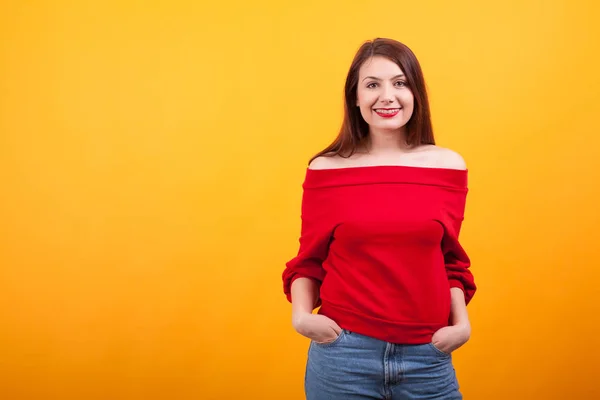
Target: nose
x: 387, y: 96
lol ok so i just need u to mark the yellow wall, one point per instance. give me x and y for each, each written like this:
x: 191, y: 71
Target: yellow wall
x: 151, y: 156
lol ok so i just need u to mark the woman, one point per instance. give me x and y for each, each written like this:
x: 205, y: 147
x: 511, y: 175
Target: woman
x: 379, y: 253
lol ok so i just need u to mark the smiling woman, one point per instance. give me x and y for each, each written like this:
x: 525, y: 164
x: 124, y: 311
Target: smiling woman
x: 385, y: 91
x: 379, y: 251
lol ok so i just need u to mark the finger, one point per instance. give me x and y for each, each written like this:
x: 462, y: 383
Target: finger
x: 443, y: 348
x: 335, y: 326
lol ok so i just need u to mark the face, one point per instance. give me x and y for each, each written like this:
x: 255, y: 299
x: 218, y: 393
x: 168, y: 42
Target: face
x: 385, y: 101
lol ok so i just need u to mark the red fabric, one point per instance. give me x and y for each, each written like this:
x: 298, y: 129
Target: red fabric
x: 382, y: 242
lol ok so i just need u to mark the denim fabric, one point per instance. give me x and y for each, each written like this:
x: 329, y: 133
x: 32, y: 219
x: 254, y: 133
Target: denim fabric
x: 356, y: 367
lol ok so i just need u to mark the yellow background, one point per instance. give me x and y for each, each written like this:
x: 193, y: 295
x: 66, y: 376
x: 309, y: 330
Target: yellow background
x: 151, y: 157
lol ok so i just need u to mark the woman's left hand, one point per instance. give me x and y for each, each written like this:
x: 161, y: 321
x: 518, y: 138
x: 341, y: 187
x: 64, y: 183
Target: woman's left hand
x: 450, y: 338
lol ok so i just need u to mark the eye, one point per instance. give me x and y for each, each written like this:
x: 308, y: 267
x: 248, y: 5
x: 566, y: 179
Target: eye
x: 401, y: 83
x: 371, y: 85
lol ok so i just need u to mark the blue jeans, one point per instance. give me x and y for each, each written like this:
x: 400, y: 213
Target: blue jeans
x: 358, y: 367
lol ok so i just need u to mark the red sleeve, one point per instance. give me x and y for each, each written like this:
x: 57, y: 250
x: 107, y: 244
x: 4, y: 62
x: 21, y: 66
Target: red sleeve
x: 315, y: 236
x: 456, y: 259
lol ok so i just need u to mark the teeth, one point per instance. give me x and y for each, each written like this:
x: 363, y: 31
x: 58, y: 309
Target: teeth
x: 387, y: 111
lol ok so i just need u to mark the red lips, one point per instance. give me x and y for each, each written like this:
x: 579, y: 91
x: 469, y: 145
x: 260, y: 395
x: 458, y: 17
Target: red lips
x: 387, y: 114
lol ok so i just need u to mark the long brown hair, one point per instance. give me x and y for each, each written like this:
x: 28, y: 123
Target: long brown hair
x: 355, y: 130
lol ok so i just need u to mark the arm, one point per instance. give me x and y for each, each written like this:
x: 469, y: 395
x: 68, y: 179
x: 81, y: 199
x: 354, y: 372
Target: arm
x: 305, y: 295
x: 456, y: 259
x: 460, y: 279
x: 458, y: 310
x: 304, y: 272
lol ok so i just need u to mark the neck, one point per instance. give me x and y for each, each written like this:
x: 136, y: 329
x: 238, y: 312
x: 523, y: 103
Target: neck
x: 386, y: 141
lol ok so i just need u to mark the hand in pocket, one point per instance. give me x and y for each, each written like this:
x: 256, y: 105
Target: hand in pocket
x: 317, y: 327
x: 450, y: 338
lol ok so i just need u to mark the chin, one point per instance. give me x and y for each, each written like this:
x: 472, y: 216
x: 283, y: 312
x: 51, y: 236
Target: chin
x: 390, y: 127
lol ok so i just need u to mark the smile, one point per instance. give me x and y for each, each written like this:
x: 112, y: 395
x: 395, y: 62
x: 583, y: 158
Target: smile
x: 387, y: 112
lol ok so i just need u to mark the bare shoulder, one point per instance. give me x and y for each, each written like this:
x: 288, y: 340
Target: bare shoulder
x: 447, y: 158
x: 326, y: 162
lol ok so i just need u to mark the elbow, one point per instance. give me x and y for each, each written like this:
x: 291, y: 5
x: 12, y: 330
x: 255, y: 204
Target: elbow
x: 294, y: 270
x: 466, y: 284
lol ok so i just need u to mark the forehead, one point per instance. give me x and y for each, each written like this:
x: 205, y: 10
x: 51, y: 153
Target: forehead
x: 380, y: 67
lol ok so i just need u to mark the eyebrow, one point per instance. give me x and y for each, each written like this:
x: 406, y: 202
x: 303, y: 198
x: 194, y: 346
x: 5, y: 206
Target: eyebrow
x: 378, y: 79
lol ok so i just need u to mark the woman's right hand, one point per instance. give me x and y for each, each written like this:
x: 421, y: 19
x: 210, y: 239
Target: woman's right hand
x: 316, y: 327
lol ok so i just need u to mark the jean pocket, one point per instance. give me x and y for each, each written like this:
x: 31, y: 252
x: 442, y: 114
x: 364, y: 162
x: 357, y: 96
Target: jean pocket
x: 438, y: 351
x: 333, y: 342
